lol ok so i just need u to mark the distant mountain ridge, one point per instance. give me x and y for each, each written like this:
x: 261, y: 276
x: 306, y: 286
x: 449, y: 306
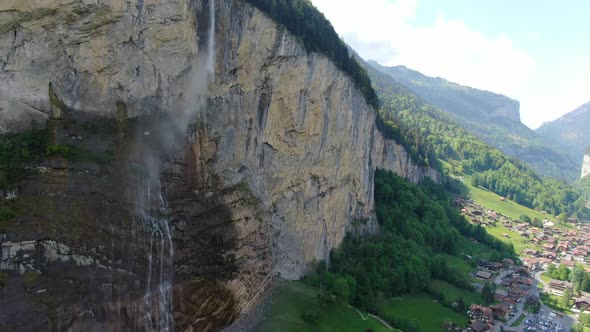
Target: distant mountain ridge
x: 454, y: 98
x: 492, y: 117
x: 570, y: 132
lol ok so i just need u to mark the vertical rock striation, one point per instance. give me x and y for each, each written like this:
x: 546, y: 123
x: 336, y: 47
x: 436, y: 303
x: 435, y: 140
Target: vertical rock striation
x: 586, y: 165
x: 269, y: 178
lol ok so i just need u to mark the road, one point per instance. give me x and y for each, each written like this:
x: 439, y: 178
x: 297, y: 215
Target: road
x: 567, y: 321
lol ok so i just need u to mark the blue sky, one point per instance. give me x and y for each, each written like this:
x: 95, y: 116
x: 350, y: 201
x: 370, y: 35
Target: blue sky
x: 535, y: 51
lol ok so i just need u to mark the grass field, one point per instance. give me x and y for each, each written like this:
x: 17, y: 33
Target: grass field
x: 428, y: 314
x: 508, y: 208
x: 292, y: 299
x: 553, y: 302
x: 545, y: 277
x: 453, y: 293
x: 520, y: 243
x: 475, y: 250
x: 457, y: 263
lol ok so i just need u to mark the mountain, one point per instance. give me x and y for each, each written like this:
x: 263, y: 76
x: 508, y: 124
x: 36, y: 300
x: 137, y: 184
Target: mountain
x: 148, y: 159
x: 586, y: 164
x: 571, y: 132
x: 492, y: 117
x: 430, y: 131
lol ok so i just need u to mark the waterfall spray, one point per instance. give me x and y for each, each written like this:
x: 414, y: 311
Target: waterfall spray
x: 161, y: 140
x: 211, y: 41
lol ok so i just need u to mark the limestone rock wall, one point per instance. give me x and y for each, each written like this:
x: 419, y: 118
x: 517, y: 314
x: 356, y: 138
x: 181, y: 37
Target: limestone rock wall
x: 295, y: 126
x: 95, y: 53
x: 270, y: 177
x: 586, y: 165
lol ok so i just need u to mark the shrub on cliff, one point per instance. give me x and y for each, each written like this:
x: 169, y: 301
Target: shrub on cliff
x: 303, y: 20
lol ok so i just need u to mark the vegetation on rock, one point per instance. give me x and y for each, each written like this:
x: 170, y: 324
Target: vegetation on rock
x: 416, y: 223
x: 303, y: 20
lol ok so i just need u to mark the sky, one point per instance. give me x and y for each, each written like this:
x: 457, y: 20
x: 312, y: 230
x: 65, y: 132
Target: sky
x: 535, y: 51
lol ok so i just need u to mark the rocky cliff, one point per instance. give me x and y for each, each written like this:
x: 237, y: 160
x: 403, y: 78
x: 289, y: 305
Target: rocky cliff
x: 266, y: 179
x: 570, y: 132
x: 586, y: 165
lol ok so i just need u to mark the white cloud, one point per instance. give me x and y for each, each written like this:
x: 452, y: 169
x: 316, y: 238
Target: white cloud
x: 381, y: 30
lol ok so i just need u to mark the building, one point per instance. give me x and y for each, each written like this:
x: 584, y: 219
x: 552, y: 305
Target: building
x: 569, y: 263
x: 557, y: 287
x: 483, y: 275
x: 582, y: 303
x: 481, y: 313
x: 522, y: 272
x: 478, y: 326
x: 532, y: 301
x: 500, y: 311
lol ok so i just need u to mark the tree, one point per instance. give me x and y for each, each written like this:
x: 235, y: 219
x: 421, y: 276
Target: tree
x: 524, y: 217
x: 576, y: 277
x: 487, y: 294
x: 584, y: 319
x: 565, y: 299
x: 562, y: 219
x: 552, y: 271
x: 461, y: 305
x: 342, y: 290
x: 563, y: 272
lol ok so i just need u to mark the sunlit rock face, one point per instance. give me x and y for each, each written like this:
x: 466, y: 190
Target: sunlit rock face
x: 586, y: 165
x: 267, y: 178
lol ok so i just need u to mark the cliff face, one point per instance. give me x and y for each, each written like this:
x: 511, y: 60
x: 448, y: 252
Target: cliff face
x: 298, y: 130
x: 269, y: 177
x: 586, y: 165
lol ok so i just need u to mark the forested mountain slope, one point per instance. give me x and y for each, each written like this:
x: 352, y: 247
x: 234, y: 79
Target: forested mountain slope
x: 570, y: 132
x: 492, y: 117
x: 459, y: 152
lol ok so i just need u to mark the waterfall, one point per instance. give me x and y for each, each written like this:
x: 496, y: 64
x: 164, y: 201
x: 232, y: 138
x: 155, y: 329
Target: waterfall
x: 211, y: 40
x: 161, y: 139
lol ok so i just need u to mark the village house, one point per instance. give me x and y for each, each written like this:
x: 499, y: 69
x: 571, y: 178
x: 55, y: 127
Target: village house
x: 481, y: 313
x: 483, y: 275
x: 569, y: 263
x: 478, y: 326
x: 582, y: 304
x: 530, y: 262
x: 563, y: 246
x: 532, y: 301
x: 508, y: 262
x: 500, y: 311
x: 557, y: 287
x: 522, y: 272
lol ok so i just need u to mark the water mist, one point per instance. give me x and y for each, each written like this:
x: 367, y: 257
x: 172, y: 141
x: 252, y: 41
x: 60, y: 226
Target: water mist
x: 158, y: 140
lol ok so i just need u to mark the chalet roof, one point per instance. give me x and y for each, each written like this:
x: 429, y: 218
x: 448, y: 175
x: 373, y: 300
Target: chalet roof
x: 483, y: 274
x: 478, y: 326
x: 560, y: 284
x: 568, y: 263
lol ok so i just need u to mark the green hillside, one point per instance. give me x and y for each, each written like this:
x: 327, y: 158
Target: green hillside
x: 493, y: 118
x: 297, y: 307
x: 456, y: 151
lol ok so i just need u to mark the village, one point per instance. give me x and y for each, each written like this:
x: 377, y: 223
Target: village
x: 520, y: 287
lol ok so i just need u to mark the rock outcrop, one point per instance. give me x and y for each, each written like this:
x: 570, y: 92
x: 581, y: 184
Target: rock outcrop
x: 586, y: 165
x: 269, y: 178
